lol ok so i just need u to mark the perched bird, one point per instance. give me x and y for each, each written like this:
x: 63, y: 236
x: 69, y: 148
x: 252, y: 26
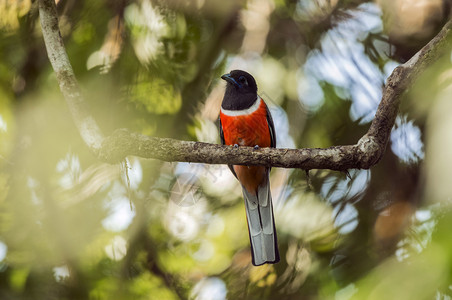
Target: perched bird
x: 245, y: 120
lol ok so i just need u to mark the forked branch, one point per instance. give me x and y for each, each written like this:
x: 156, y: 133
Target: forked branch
x: 363, y: 155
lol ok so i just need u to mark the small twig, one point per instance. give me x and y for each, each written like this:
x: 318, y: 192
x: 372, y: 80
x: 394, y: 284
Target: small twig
x: 347, y: 174
x: 126, y: 173
x: 308, y: 180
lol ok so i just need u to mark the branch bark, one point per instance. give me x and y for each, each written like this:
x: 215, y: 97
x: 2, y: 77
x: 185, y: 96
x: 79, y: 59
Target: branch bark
x: 363, y: 155
x: 86, y: 124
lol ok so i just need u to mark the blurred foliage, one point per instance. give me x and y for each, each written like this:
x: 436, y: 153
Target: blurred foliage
x: 74, y: 228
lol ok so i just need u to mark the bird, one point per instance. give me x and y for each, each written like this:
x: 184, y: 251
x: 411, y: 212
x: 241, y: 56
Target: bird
x: 245, y: 120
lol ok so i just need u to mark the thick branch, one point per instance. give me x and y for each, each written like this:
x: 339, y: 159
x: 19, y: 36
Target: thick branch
x: 366, y: 153
x: 400, y: 79
x: 123, y: 142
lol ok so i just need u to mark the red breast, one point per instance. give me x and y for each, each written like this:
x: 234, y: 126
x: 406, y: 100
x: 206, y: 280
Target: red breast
x: 246, y: 129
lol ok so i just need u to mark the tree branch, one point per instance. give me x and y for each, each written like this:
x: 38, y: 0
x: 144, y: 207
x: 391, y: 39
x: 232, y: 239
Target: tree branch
x: 363, y: 155
x: 86, y: 124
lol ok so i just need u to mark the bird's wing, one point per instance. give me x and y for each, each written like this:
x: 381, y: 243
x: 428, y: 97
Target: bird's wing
x: 221, y: 133
x: 271, y: 126
x: 223, y: 143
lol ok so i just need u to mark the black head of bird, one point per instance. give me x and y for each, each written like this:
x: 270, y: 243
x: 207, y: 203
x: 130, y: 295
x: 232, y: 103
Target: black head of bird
x: 241, y: 90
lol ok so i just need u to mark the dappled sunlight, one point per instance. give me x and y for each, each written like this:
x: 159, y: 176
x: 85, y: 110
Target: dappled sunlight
x: 336, y: 189
x: 155, y: 95
x: 218, y: 181
x: 61, y: 273
x: 11, y: 11
x: 148, y: 27
x: 209, y: 288
x: 342, y: 62
x: 309, y: 91
x: 117, y: 248
x: 206, y: 131
x: 75, y: 227
x: 315, y: 10
x: 3, y: 124
x: 299, y: 265
x: 121, y: 213
x: 70, y: 171
x: 279, y: 187
x: 262, y: 276
x: 106, y: 56
x: 419, y: 235
x: 33, y: 185
x: 208, y: 243
x: 346, y: 218
x: 273, y: 78
x: 82, y: 185
x: 406, y: 141
x: 205, y: 252
x: 281, y: 121
x: 343, y: 193
x: 306, y: 217
x: 184, y: 222
x: 3, y: 251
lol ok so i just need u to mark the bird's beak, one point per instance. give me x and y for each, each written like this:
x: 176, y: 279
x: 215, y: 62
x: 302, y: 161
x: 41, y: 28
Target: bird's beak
x: 229, y: 79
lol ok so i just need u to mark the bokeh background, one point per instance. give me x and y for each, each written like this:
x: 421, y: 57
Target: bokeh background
x: 72, y: 227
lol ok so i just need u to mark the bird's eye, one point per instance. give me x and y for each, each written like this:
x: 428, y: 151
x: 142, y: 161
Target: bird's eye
x: 243, y: 80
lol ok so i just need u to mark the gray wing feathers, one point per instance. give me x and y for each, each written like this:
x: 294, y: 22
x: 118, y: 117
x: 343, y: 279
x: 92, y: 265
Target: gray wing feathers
x: 259, y: 213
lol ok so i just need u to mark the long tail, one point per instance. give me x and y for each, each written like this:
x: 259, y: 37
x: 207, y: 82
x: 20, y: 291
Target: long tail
x: 261, y: 225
